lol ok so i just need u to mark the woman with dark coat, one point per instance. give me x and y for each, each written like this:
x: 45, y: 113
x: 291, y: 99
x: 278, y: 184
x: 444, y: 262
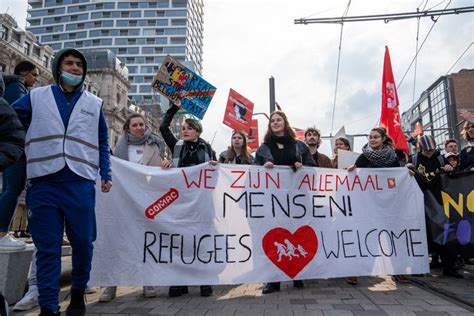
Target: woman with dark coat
x: 280, y: 147
x: 190, y: 151
x: 238, y: 152
x: 12, y: 134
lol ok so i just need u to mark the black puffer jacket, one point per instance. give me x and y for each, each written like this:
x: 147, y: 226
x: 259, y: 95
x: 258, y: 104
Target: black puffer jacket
x: 12, y: 134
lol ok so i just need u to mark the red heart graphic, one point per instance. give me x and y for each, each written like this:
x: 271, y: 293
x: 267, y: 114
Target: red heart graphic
x: 290, y: 252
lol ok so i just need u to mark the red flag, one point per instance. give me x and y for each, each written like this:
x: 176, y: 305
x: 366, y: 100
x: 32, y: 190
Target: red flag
x: 418, y: 130
x: 390, y: 116
x: 238, y: 112
x: 252, y: 140
x: 299, y: 133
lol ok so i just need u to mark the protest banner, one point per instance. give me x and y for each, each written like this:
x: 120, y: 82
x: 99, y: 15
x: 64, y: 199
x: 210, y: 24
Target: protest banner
x: 184, y: 87
x: 230, y: 224
x: 450, y: 209
x: 252, y: 140
x: 238, y: 112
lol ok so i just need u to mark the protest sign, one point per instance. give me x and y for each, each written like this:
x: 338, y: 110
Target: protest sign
x: 450, y: 209
x: 183, y: 86
x: 238, y: 112
x: 299, y: 133
x: 252, y: 140
x: 346, y: 158
x: 230, y: 224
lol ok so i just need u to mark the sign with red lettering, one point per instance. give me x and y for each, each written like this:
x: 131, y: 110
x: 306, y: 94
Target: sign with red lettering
x: 162, y: 203
x: 238, y: 112
x: 234, y: 224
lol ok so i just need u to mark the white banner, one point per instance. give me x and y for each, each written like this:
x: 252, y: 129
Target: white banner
x: 233, y: 224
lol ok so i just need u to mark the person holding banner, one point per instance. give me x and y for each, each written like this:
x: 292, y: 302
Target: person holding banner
x: 238, y: 152
x: 467, y: 153
x: 281, y: 147
x: 377, y: 153
x: 427, y: 164
x: 189, y: 151
x: 340, y: 143
x: 139, y: 145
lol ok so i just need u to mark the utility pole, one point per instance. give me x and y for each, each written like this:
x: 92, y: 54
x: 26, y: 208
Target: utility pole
x: 272, y: 94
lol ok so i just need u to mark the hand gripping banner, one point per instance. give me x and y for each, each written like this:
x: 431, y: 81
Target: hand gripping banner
x: 230, y: 224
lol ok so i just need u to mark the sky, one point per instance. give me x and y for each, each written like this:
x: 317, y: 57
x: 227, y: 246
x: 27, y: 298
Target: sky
x: 248, y: 41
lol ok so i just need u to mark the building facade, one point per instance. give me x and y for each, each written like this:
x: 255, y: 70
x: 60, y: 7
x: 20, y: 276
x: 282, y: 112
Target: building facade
x: 141, y: 33
x: 439, y: 106
x: 17, y: 45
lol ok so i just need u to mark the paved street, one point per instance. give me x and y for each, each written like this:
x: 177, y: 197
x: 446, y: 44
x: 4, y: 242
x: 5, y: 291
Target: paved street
x: 430, y: 296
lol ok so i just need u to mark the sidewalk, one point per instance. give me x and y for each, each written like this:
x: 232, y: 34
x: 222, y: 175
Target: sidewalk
x: 373, y: 296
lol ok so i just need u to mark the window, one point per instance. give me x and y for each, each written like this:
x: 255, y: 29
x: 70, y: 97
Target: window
x: 16, y: 36
x: 178, y: 40
x: 36, y: 51
x: 26, y: 48
x: 178, y: 22
x: 4, y: 32
x: 179, y: 3
x: 46, y: 61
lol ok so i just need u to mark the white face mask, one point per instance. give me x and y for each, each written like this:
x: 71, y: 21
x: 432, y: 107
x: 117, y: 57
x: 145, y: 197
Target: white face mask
x: 70, y: 79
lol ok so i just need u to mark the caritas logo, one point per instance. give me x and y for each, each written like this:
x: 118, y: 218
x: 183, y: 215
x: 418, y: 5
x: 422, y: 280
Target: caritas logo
x: 163, y: 202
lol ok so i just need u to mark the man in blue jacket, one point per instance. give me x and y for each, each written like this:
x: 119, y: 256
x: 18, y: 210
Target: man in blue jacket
x: 66, y: 147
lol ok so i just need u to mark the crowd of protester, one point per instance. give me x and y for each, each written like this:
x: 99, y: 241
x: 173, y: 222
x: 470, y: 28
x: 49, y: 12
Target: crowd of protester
x: 138, y: 144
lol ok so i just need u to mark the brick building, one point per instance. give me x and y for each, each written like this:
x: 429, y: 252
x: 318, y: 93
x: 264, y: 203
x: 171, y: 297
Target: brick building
x: 439, y: 106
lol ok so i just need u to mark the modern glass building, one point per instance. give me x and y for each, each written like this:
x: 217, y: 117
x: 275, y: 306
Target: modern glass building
x: 140, y: 32
x: 438, y: 107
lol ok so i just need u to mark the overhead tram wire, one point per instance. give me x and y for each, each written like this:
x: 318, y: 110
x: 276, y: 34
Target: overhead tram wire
x: 423, y: 43
x: 386, y: 17
x: 462, y: 55
x: 338, y: 65
x: 416, y: 48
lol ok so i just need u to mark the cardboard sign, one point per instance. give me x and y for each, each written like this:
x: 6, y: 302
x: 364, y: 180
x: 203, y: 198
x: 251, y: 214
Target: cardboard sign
x: 238, y: 112
x: 346, y: 158
x: 184, y: 87
x: 252, y: 138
